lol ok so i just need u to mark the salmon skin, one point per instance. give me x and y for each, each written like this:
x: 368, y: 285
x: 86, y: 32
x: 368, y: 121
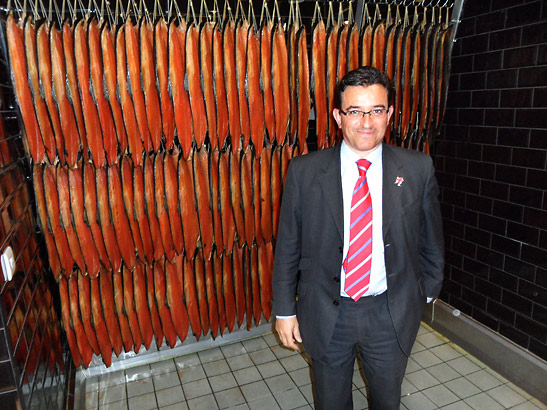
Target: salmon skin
x: 201, y: 291
x: 332, y: 42
x: 293, y: 66
x: 378, y: 45
x: 276, y: 188
x: 232, y: 94
x: 228, y: 290
x: 152, y: 307
x: 172, y: 201
x: 303, y: 89
x: 129, y: 308
x: 160, y: 208
x: 266, y: 79
x: 353, y: 48
x: 16, y: 46
x: 266, y: 194
x: 215, y: 200
x: 149, y: 193
x: 211, y: 298
x: 103, y: 336
x: 188, y: 212
x: 177, y: 70
x: 127, y: 337
x: 219, y: 289
x: 174, y: 295
x: 246, y: 183
x: 140, y: 215
x: 106, y: 295
x: 257, y: 207
x: 206, y: 60
x: 256, y: 101
x: 237, y: 203
x: 265, y: 273
x: 81, y: 338
x: 241, y: 38
x: 162, y: 68
x: 65, y: 315
x: 203, y: 201
x: 160, y: 285
x: 255, y: 284
x: 227, y: 214
x: 190, y: 296
x: 319, y: 82
x: 141, y: 304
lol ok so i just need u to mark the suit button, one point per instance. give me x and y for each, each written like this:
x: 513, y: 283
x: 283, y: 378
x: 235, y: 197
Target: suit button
x: 335, y: 303
x: 336, y: 279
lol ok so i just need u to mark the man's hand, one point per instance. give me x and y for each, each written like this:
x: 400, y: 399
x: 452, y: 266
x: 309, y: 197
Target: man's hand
x: 288, y: 331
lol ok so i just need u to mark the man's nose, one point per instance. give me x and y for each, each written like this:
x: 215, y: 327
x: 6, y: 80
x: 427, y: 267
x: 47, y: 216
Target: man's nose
x: 366, y: 119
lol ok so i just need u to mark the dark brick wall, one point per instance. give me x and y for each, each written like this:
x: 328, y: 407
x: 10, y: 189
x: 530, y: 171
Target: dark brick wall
x: 491, y: 165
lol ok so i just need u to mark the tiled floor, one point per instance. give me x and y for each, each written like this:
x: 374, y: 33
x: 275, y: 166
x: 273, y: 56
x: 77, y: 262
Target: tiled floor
x: 259, y: 374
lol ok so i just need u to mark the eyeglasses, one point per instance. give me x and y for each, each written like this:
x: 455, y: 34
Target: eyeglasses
x: 355, y: 114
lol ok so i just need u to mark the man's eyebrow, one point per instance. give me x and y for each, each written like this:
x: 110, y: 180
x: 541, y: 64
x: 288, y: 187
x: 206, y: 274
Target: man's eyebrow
x: 358, y: 107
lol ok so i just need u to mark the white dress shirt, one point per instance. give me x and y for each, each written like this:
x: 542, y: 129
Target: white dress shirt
x: 350, y: 175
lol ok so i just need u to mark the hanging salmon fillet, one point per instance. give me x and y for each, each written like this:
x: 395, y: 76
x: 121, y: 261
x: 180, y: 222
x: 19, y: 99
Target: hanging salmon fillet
x: 107, y: 228
x: 378, y: 45
x: 241, y: 39
x: 106, y: 295
x: 366, y: 44
x: 187, y: 203
x: 201, y: 291
x: 134, y: 140
x: 203, y: 201
x: 90, y: 204
x: 266, y: 194
x: 415, y: 83
x: 406, y: 101
x: 215, y: 201
x: 256, y: 100
x: 172, y: 201
x: 246, y: 186
x: 150, y: 205
x: 255, y: 284
x: 148, y: 75
x: 161, y: 208
x: 160, y: 291
x: 266, y: 79
x: 228, y: 291
x: 119, y: 217
x: 206, y: 60
x: 398, y: 73
x: 280, y: 78
x: 162, y: 68
x: 175, y: 301
x: 257, y: 208
x: 110, y: 142
x: 303, y: 89
x: 99, y: 324
x: 84, y: 297
x: 153, y: 309
x: 226, y: 211
x: 211, y: 297
x: 447, y: 42
x: 64, y: 208
x: 65, y: 315
x: 220, y: 87
x: 319, y: 84
x: 133, y: 55
x: 33, y: 140
x: 126, y: 170
x: 52, y: 206
x: 39, y: 104
x: 142, y: 217
x: 53, y: 256
x: 332, y: 44
x: 248, y: 287
x: 127, y: 337
x: 353, y: 47
x: 108, y: 37
x: 45, y: 70
x: 141, y: 304
x: 219, y: 288
x: 177, y: 70
x: 91, y: 117
x: 232, y: 93
x: 66, y: 112
x: 342, y: 52
x: 265, y: 271
x: 239, y: 284
x: 276, y: 188
x: 129, y: 307
x: 293, y: 73
x: 197, y: 104
x: 81, y: 338
x: 190, y: 295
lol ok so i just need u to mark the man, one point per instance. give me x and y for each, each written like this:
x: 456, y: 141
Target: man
x: 359, y: 250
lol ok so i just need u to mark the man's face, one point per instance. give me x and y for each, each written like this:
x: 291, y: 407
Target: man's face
x: 363, y: 134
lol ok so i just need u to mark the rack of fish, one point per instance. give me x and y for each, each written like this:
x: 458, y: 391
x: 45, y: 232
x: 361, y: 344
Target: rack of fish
x: 159, y: 148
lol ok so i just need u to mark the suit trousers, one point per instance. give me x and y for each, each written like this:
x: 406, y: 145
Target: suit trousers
x: 365, y: 324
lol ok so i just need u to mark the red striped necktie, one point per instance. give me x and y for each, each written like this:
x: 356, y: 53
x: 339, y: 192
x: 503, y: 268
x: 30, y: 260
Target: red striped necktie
x: 358, y: 262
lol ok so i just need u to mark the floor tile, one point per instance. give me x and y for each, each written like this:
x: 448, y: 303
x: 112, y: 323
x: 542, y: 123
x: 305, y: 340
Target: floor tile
x: 207, y: 402
x: 165, y: 366
x: 529, y: 405
x: 196, y: 388
x: 243, y: 406
x: 190, y: 374
x: 483, y: 380
x: 443, y: 372
x: 462, y: 387
x: 417, y: 401
x: 222, y: 382
x: 426, y: 359
x: 412, y: 366
x: 264, y: 403
x: 255, y: 390
x: 429, y: 340
x: 169, y: 396
x: 188, y: 360
x: 111, y: 379
x: 91, y: 399
x: 440, y: 395
x: 445, y: 352
x: 463, y: 365
x: 459, y: 405
x: 281, y: 351
x: 210, y: 355
x: 422, y: 379
x: 407, y: 388
x: 483, y: 401
x: 291, y: 399
x: 272, y: 339
x: 234, y: 349
x: 215, y: 368
x: 176, y: 406
x: 112, y: 394
x: 252, y: 345
x: 301, y: 377
x: 417, y: 347
x: 117, y: 405
x: 294, y: 362
x: 262, y: 356
x: 307, y: 392
x: 239, y: 362
x: 359, y: 400
x: 229, y: 398
x: 247, y: 375
x: 280, y: 383
x: 140, y: 387
x: 506, y: 396
x: 138, y: 373
x: 143, y: 402
x: 166, y: 380
x: 92, y: 384
x: 270, y: 369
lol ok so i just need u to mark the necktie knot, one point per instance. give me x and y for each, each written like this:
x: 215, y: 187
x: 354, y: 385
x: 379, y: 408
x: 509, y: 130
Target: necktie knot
x: 363, y: 165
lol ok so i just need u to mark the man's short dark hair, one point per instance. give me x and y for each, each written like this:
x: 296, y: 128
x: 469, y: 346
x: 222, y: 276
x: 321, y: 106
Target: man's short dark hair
x: 363, y: 76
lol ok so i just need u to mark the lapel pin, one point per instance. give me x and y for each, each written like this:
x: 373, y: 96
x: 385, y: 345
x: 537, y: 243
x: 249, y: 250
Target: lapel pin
x: 399, y: 181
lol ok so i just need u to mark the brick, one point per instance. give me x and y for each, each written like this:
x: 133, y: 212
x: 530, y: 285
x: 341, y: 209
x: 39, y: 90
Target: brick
x: 503, y: 39
x: 530, y: 158
x: 520, y: 57
x: 534, y: 33
x: 511, y: 175
x: 533, y: 77
x: 519, y: 97
x: 502, y: 78
x: 513, y: 137
x: 508, y: 247
x: 499, y: 117
x: 519, y: 268
x: 487, y: 61
x: 526, y: 196
x: 485, y: 98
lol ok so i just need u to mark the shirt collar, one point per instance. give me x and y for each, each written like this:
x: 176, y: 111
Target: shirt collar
x: 349, y: 157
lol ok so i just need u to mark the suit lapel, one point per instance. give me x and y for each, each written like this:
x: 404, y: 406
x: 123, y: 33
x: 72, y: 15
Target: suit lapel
x: 331, y: 184
x: 391, y: 192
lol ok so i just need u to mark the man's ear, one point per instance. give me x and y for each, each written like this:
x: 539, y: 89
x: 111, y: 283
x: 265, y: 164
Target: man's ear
x: 389, y: 112
x: 338, y: 117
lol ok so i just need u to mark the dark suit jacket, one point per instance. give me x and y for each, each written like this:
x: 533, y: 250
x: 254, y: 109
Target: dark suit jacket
x: 308, y: 253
